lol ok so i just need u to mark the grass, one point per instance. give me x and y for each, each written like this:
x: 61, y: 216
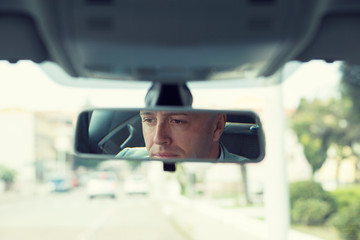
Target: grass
x: 326, y: 233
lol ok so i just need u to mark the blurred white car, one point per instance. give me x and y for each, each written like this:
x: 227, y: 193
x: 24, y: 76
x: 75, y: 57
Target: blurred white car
x: 59, y: 184
x: 136, y: 184
x: 102, y: 183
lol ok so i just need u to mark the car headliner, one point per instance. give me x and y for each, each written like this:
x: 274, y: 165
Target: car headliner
x: 172, y: 41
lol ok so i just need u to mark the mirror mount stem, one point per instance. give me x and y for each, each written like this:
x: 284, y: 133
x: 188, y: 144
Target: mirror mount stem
x: 168, y: 94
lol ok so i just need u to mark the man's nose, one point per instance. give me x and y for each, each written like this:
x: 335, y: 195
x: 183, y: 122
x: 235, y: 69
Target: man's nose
x: 162, y: 134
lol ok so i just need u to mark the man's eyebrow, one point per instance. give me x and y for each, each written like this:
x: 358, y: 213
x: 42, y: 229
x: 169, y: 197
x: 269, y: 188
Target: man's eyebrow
x: 146, y: 113
x: 176, y: 113
x: 166, y: 114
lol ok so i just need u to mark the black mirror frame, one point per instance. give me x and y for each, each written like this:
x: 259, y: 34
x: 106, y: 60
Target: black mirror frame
x: 79, y: 149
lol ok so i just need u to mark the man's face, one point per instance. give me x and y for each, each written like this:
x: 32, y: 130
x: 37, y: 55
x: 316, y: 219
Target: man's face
x: 181, y: 135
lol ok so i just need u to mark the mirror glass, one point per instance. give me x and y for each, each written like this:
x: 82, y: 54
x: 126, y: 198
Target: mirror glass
x: 171, y: 134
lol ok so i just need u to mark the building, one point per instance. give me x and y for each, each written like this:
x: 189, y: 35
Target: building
x: 29, y: 144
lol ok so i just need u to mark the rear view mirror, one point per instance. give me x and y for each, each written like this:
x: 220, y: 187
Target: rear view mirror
x: 170, y: 135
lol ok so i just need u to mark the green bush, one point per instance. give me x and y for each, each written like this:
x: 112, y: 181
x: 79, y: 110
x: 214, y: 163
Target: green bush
x: 344, y: 197
x: 310, y: 204
x: 7, y: 175
x: 310, y: 211
x: 347, y: 221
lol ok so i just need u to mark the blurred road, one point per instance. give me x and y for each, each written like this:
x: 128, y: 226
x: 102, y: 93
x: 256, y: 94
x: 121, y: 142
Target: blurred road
x: 73, y: 216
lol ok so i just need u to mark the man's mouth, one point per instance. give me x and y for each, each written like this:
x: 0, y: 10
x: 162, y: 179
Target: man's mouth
x: 165, y: 155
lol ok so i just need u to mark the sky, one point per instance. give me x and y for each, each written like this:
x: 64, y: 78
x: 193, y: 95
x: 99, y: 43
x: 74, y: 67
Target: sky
x: 24, y: 85
x: 315, y: 79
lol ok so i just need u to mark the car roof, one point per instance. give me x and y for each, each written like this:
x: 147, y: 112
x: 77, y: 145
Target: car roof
x: 172, y: 41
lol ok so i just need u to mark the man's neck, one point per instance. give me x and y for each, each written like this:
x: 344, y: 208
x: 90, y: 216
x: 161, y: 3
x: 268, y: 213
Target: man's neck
x: 215, y: 152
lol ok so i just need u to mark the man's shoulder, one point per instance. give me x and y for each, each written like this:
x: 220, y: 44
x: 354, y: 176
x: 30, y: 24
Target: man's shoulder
x: 233, y: 157
x: 136, y: 153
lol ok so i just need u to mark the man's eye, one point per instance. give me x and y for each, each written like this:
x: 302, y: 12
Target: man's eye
x: 148, y: 120
x: 178, y: 121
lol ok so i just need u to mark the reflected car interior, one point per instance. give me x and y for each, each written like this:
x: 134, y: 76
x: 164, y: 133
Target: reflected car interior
x: 109, y: 132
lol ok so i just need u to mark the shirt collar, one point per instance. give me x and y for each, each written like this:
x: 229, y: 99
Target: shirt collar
x: 222, y: 155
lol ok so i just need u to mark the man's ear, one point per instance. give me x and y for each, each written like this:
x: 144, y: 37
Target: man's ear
x: 220, y: 121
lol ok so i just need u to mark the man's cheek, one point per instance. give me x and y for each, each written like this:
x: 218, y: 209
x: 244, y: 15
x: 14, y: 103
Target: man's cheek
x: 148, y: 141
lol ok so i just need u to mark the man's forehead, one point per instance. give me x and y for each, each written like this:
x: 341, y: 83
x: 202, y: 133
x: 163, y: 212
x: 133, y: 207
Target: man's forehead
x: 193, y: 115
x: 166, y: 113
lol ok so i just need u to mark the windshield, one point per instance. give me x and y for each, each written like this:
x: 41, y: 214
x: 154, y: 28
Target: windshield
x: 307, y: 186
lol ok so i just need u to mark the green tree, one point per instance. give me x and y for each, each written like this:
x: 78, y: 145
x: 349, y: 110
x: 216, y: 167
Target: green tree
x: 7, y: 175
x: 350, y: 89
x: 317, y: 125
x: 321, y: 124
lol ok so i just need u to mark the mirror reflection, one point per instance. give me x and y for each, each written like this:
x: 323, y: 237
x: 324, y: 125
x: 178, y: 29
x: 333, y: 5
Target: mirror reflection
x: 171, y: 134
